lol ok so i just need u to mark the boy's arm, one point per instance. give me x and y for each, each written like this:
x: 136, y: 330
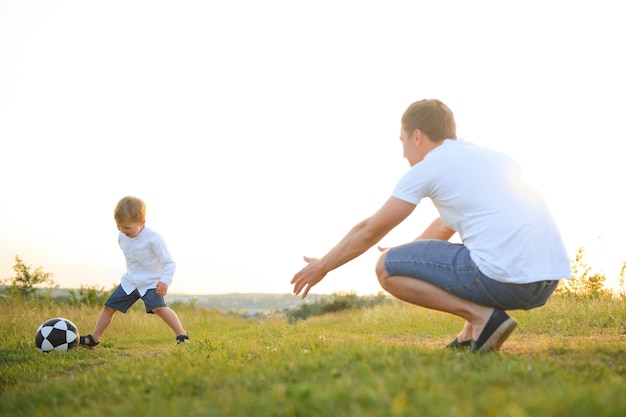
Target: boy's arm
x: 168, y: 266
x: 161, y: 288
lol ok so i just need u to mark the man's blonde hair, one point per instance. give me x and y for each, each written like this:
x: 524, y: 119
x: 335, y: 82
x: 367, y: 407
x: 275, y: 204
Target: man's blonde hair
x: 431, y: 117
x: 130, y: 209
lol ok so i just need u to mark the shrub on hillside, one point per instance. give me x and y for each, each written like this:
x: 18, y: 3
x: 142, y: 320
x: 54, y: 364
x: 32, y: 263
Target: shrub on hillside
x: 91, y: 296
x: 336, y: 302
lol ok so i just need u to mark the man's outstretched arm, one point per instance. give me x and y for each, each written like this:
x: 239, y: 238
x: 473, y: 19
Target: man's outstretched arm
x: 359, y: 239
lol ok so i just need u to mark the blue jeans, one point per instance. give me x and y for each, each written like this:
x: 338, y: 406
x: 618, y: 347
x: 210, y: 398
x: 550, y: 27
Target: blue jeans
x: 450, y: 267
x: 119, y: 300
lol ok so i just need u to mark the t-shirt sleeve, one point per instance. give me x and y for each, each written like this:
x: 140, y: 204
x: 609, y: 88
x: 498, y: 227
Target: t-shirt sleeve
x: 413, y: 186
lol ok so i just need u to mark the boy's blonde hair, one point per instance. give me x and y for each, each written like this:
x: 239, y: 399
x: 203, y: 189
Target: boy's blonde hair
x: 130, y: 209
x: 431, y: 117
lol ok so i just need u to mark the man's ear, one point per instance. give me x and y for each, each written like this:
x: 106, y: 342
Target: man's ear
x: 417, y: 135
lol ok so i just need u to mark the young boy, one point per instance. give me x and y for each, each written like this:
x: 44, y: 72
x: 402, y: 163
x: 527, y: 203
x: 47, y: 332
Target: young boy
x: 149, y: 272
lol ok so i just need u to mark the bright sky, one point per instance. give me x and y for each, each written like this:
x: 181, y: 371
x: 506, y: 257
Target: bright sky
x: 259, y: 132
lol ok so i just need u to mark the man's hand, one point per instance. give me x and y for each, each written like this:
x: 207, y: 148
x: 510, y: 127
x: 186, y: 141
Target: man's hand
x: 308, y: 276
x: 359, y: 239
x: 161, y: 288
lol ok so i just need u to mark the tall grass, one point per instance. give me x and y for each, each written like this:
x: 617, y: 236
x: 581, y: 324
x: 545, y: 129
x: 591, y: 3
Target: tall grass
x: 565, y: 359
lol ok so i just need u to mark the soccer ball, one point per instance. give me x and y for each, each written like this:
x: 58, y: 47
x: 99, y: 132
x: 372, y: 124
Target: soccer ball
x: 56, y: 334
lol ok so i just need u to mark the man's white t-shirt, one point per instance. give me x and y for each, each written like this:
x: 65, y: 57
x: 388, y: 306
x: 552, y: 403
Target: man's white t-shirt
x: 148, y: 261
x: 505, y: 224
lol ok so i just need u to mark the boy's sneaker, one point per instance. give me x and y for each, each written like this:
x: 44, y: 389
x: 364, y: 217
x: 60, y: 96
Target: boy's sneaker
x: 183, y: 338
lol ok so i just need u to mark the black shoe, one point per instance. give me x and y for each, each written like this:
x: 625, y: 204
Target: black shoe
x: 455, y: 344
x: 498, y: 329
x: 183, y: 338
x: 87, y: 341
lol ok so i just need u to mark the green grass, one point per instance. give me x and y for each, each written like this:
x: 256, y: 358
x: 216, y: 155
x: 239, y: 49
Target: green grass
x: 565, y: 359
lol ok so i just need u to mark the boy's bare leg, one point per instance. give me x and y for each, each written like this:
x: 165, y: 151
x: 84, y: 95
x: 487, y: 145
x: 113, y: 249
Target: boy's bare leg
x: 170, y: 317
x: 102, y: 323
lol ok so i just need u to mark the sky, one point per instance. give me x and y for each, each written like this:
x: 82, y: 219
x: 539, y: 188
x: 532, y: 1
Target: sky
x: 260, y: 132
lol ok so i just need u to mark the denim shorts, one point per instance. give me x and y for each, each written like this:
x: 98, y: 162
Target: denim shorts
x: 119, y: 300
x: 450, y: 267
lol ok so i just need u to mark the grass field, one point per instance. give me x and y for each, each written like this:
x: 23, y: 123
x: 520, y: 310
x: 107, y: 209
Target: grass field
x: 565, y: 359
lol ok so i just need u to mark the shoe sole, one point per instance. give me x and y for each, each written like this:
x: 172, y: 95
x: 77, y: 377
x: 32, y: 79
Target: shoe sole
x: 499, y: 336
x: 455, y: 344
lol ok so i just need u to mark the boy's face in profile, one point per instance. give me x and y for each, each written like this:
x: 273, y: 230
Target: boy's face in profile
x: 130, y: 228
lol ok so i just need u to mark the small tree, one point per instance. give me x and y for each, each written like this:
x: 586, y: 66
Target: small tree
x: 25, y: 279
x: 585, y: 283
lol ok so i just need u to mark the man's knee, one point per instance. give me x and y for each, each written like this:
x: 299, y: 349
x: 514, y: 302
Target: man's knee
x: 381, y: 272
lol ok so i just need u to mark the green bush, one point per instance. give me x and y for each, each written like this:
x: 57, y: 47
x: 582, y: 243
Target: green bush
x: 337, y: 302
x: 91, y: 296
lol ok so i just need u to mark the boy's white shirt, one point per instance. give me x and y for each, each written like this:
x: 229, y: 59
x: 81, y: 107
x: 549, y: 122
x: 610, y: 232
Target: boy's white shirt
x: 148, y: 261
x: 505, y: 224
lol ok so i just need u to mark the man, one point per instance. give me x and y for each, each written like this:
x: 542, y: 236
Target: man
x: 511, y: 257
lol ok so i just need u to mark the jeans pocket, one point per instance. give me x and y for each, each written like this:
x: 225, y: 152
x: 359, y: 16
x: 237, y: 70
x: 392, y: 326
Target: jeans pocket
x: 531, y: 295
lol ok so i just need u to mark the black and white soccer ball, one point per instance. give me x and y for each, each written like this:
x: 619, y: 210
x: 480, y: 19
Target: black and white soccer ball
x: 56, y: 334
